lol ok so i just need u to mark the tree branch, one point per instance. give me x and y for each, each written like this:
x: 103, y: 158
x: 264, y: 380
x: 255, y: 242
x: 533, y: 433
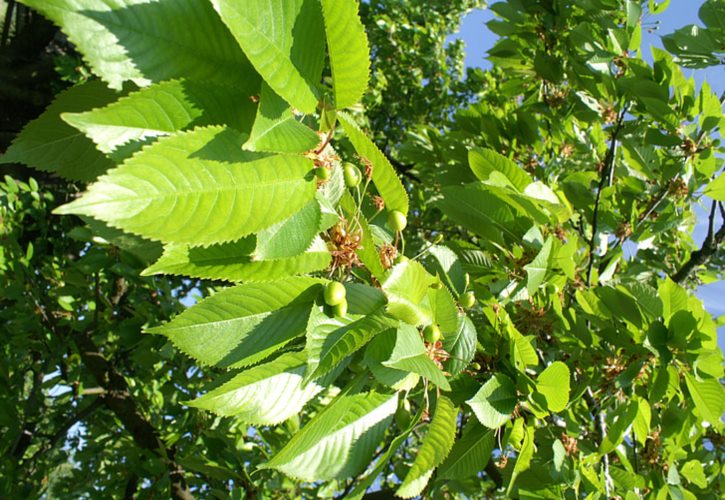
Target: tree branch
x: 63, y: 429
x: 709, y: 247
x: 606, y: 179
x: 119, y: 400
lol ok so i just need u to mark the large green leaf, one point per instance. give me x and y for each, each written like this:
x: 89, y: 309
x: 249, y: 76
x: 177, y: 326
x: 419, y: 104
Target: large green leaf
x: 198, y: 188
x: 553, y: 385
x: 708, y: 396
x: 461, y: 345
x: 487, y: 163
x: 244, y: 324
x: 536, y: 270
x: 436, y: 445
x: 476, y: 208
x: 619, y: 421
x: 264, y: 395
x: 523, y: 460
x: 151, y: 41
x: 276, y: 129
x: 384, y: 177
x: 348, y: 49
x: 716, y: 189
x: 494, y: 403
x: 407, y: 286
x: 49, y: 144
x: 409, y: 354
x: 284, y: 41
x: 162, y: 109
x: 339, y: 441
x: 470, y: 454
x: 377, y: 352
x: 448, y: 267
x: 234, y: 262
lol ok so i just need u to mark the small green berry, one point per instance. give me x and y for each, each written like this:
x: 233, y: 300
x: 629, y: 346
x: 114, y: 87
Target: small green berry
x: 351, y: 174
x: 475, y: 366
x: 432, y: 333
x: 340, y: 310
x: 401, y: 258
x: 467, y: 300
x: 397, y: 220
x: 334, y: 293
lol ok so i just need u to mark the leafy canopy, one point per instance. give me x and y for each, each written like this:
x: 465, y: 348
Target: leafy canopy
x: 526, y: 196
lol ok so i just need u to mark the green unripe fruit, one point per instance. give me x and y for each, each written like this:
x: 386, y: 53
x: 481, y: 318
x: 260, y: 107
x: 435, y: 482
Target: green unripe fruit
x: 475, y: 366
x: 340, y: 310
x: 397, y: 221
x: 467, y: 300
x: 432, y: 334
x: 401, y: 258
x: 322, y: 173
x: 334, y: 293
x: 402, y: 414
x: 351, y: 174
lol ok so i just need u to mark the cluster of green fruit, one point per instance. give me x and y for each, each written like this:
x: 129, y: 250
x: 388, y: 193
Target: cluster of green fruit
x: 336, y: 297
x: 350, y: 172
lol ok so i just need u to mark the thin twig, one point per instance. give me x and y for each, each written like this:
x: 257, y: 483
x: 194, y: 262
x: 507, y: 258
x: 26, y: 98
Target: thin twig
x: 708, y: 249
x: 605, y: 179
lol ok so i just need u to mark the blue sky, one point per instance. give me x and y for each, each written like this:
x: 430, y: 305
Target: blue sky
x: 680, y: 13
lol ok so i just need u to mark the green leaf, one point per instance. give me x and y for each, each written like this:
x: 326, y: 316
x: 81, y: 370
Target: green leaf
x: 384, y: 177
x: 436, y: 445
x: 708, y: 396
x: 716, y: 189
x: 475, y: 207
x: 378, y: 351
x: 349, y: 52
x: 276, y: 129
x: 470, y: 454
x: 523, y: 460
x: 443, y: 309
x: 553, y: 385
x: 339, y: 441
x: 151, y: 41
x: 397, y: 442
x: 409, y: 354
x: 673, y: 297
x: 485, y: 162
x: 234, y: 262
x: 264, y: 395
x: 620, y: 420
x: 641, y: 424
x: 494, y: 403
x: 198, y: 188
x: 285, y: 43
x: 449, y: 267
x: 461, y: 346
x: 242, y: 325
x: 536, y: 270
x: 522, y: 351
x: 694, y: 473
x: 291, y: 236
x: 49, y: 144
x: 406, y: 286
x: 162, y: 109
x: 331, y: 339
